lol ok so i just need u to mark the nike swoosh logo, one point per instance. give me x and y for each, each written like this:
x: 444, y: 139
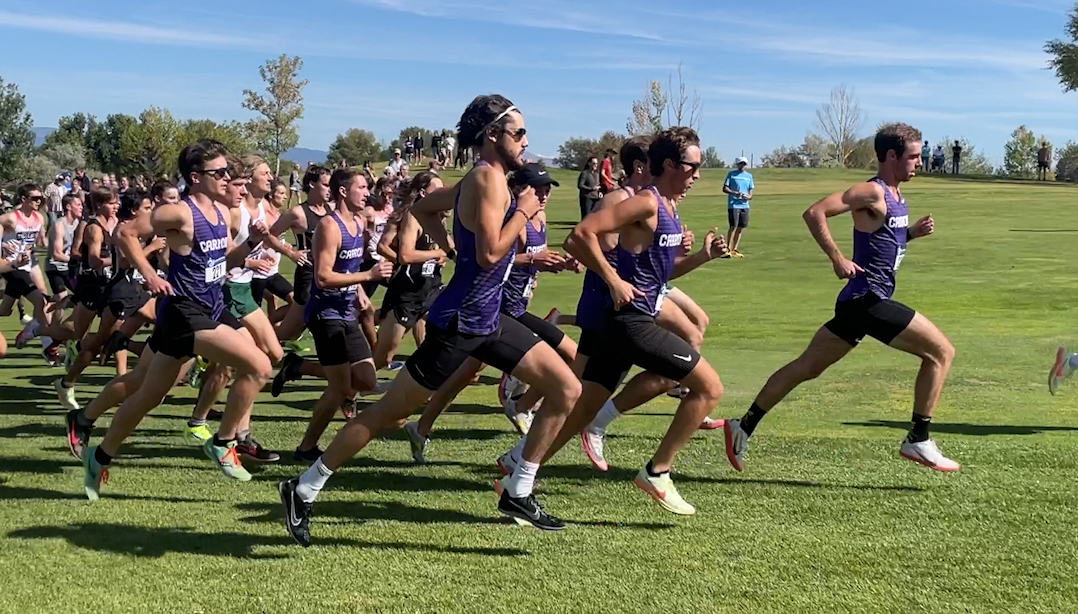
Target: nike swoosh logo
x: 292, y: 516
x: 685, y: 358
x: 528, y: 513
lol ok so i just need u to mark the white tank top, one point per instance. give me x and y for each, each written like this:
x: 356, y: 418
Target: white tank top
x: 381, y: 218
x: 24, y: 239
x: 244, y: 275
x: 267, y: 251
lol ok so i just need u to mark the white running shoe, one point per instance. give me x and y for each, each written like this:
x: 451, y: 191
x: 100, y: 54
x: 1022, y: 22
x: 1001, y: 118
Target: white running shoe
x: 395, y: 365
x: 66, y: 395
x: 521, y: 420
x: 417, y: 441
x: 663, y: 491
x: 506, y: 464
x: 1061, y: 370
x: 26, y: 319
x: 592, y: 442
x: 737, y: 441
x: 927, y: 453
x: 678, y: 392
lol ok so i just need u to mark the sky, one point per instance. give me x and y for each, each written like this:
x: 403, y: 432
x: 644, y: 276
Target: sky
x: 972, y: 68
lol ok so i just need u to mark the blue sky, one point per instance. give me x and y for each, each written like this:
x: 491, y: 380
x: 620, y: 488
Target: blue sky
x: 969, y: 68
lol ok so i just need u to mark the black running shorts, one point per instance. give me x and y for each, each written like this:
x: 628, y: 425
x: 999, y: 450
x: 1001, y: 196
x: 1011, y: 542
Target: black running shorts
x: 881, y: 319
x: 445, y: 349
x: 90, y: 292
x: 19, y: 284
x: 339, y: 342
x: 178, y: 321
x: 633, y: 338
x: 276, y: 284
x: 739, y: 218
x: 409, y: 301
x: 550, y: 334
x: 57, y: 281
x: 302, y: 281
x: 589, y: 343
x: 125, y: 296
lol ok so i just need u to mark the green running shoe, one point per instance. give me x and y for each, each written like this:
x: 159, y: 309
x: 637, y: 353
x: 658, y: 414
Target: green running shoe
x: 227, y: 459
x: 95, y: 476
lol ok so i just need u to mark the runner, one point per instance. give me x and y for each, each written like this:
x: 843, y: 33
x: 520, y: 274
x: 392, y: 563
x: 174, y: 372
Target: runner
x: 270, y: 284
x: 190, y: 320
x: 342, y: 349
x: 376, y: 217
x: 61, y: 235
x: 865, y: 307
x: 24, y: 230
x: 302, y: 220
x: 464, y: 321
x: 650, y: 254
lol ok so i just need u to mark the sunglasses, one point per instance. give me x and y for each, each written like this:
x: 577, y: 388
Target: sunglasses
x: 36, y: 199
x: 516, y: 134
x: 693, y: 166
x: 216, y: 173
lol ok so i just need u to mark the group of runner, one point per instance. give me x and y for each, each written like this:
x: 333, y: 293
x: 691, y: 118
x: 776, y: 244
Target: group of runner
x: 198, y: 266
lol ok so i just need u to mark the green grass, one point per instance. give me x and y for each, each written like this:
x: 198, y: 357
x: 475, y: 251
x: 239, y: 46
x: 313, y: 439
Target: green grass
x: 826, y: 518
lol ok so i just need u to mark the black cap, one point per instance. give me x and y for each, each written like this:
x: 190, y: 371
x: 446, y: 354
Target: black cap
x: 534, y: 175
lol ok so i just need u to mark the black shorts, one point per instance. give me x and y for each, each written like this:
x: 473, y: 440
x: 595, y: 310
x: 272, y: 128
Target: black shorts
x: 339, y: 342
x: 57, y: 281
x: 276, y: 284
x: 408, y: 301
x: 90, y: 292
x: 370, y: 287
x: 739, y: 218
x: 1043, y: 166
x: 633, y: 338
x: 590, y: 341
x: 124, y: 297
x: 445, y: 349
x: 178, y: 321
x: 19, y: 284
x: 550, y: 334
x: 302, y: 281
x: 881, y: 319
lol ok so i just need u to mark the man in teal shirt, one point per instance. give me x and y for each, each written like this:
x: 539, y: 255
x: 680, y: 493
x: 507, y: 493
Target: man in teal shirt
x: 739, y: 186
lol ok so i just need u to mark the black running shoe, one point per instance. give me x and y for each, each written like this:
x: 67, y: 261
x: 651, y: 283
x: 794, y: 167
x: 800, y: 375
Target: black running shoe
x: 213, y: 414
x: 348, y: 408
x: 297, y: 513
x: 116, y: 342
x: 526, y: 510
x: 77, y: 435
x: 253, y: 451
x: 307, y: 457
x: 289, y: 372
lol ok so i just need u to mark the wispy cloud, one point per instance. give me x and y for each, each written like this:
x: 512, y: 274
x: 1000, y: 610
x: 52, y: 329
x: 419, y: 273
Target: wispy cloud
x: 123, y: 31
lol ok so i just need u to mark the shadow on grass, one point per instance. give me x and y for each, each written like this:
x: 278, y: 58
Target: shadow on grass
x: 979, y: 430
x: 20, y: 493
x: 1043, y: 230
x: 10, y: 464
x: 155, y: 543
x: 57, y: 429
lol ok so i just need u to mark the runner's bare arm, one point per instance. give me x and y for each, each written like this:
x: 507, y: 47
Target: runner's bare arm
x: 289, y: 220
x: 384, y: 244
x: 409, y: 233
x: 95, y: 241
x: 861, y: 196
x: 56, y: 247
x: 714, y: 245
x: 427, y: 212
x: 494, y: 237
x: 127, y: 239
x: 327, y: 241
x: 583, y: 242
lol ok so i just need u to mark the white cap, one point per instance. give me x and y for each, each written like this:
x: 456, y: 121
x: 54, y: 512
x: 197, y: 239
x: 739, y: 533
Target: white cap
x: 741, y: 160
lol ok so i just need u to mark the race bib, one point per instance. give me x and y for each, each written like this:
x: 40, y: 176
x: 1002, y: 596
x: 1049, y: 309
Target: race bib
x: 662, y: 297
x: 528, y: 289
x: 428, y: 268
x: 215, y: 271
x: 508, y: 270
x: 898, y: 257
x: 137, y: 276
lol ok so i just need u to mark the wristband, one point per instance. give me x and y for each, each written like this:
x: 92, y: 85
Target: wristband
x: 451, y: 254
x: 909, y: 235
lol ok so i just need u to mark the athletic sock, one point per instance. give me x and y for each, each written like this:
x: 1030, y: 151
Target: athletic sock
x: 606, y: 415
x: 195, y: 423
x: 752, y: 418
x: 1074, y: 361
x: 522, y: 481
x: 221, y: 443
x: 312, y: 481
x: 919, y: 432
x: 81, y: 418
x: 243, y: 435
x: 651, y: 470
x: 101, y: 457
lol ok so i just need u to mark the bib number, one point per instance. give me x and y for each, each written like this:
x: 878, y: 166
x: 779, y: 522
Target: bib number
x: 662, y: 297
x: 215, y: 271
x: 428, y: 268
x: 528, y: 289
x: 898, y: 258
x: 137, y: 276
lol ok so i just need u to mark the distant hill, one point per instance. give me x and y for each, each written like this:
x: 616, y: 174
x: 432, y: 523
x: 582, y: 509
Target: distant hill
x: 302, y: 156
x: 41, y: 133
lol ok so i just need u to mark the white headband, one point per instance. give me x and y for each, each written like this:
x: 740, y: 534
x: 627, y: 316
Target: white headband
x: 495, y: 120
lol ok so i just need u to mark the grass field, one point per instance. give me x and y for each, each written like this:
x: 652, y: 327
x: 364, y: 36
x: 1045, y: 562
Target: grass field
x: 826, y: 517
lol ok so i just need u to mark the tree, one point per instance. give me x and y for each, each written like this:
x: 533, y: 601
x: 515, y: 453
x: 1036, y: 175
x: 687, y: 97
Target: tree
x: 68, y: 156
x: 104, y: 142
x: 1067, y: 163
x: 231, y: 134
x: 1020, y: 153
x: 71, y: 130
x: 151, y: 146
x: 281, y: 107
x: 356, y: 146
x: 16, y: 131
x: 1065, y: 53
x: 864, y: 154
x: 575, y: 152
x: 712, y: 159
x: 647, y: 114
x: 974, y: 162
x: 838, y: 121
x: 683, y: 110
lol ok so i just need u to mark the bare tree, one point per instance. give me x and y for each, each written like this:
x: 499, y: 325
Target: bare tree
x: 647, y: 115
x: 839, y: 120
x: 683, y: 110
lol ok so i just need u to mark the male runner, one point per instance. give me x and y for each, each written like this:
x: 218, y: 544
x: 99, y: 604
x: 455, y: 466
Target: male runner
x: 61, y: 236
x: 23, y: 231
x: 376, y: 217
x: 190, y: 320
x: 881, y: 231
x: 464, y: 321
x: 302, y: 220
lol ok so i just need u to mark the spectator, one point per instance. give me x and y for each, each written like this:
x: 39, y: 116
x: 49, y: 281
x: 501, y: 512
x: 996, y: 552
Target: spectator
x: 295, y: 182
x: 417, y: 152
x: 739, y: 185
x: 83, y: 180
x: 95, y: 183
x: 606, y: 177
x: 436, y: 145
x: 409, y: 148
x: 938, y: 158
x: 125, y: 185
x: 461, y: 160
x: 956, y: 158
x: 589, y: 186
x: 54, y: 199
x: 926, y: 156
x: 368, y: 172
x: 434, y: 167
x: 450, y: 146
x: 397, y: 162
x: 1044, y: 160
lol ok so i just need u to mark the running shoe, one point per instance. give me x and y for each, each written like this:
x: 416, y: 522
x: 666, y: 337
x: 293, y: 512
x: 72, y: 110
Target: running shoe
x: 289, y: 372
x: 194, y: 375
x: 509, y: 387
x: 297, y: 513
x: 592, y: 442
x: 678, y: 392
x: 302, y: 345
x: 927, y: 453
x: 553, y: 316
x: 737, y: 441
x: 215, y: 415
x: 1061, y: 370
x: 521, y: 420
x: 736, y: 254
x: 251, y: 450
x: 197, y: 435
x: 71, y: 352
x: 117, y: 341
x: 506, y: 463
x: 348, y: 408
x: 417, y: 441
x: 77, y: 435
x: 25, y: 318
x: 307, y: 457
x: 227, y: 459
x: 394, y: 366
x: 27, y: 334
x: 66, y: 394
x: 95, y: 475
x: 662, y: 490
x: 710, y: 424
x: 52, y: 356
x: 527, y: 511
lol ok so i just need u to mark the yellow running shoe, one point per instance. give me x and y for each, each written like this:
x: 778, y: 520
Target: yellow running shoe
x: 662, y: 489
x: 196, y: 435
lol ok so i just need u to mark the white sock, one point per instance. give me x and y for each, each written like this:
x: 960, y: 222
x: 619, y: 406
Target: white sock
x: 517, y: 453
x: 522, y: 481
x: 1074, y: 361
x: 312, y: 481
x: 606, y: 415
